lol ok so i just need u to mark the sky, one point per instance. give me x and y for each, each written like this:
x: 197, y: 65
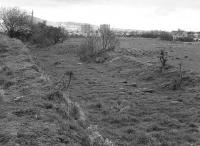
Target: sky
x: 127, y: 14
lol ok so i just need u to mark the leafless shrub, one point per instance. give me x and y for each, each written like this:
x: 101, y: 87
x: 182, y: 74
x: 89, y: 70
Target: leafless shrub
x: 177, y: 82
x: 108, y: 39
x: 74, y: 111
x: 96, y: 46
x: 163, y: 59
x: 64, y: 82
x: 88, y: 48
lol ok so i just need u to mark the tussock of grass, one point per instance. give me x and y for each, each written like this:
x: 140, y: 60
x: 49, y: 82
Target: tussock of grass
x: 56, y: 96
x: 25, y: 112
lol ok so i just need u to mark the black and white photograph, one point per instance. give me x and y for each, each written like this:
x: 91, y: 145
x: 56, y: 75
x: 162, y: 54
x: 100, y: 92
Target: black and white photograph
x: 99, y: 73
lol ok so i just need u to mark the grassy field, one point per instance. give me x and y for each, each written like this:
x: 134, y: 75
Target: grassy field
x: 187, y: 53
x: 127, y: 97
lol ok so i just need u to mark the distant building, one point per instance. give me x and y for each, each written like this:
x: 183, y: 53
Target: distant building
x: 86, y: 29
x: 194, y: 35
x: 71, y: 27
x: 104, y: 27
x: 179, y: 34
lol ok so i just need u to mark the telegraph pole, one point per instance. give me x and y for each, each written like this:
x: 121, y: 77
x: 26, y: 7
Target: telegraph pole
x: 32, y: 19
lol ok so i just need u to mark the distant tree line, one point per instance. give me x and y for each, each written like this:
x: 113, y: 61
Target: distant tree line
x: 163, y: 35
x: 150, y: 34
x: 166, y: 36
x: 185, y: 39
x: 17, y: 23
x: 153, y: 34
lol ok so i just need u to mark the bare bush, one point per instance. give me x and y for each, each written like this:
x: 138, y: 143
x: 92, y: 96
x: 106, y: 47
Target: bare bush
x: 95, y: 47
x: 16, y: 22
x: 163, y: 58
x: 178, y: 81
x: 108, y: 39
x: 89, y: 48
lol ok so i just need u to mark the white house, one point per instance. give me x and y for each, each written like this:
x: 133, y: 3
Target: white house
x: 179, y: 34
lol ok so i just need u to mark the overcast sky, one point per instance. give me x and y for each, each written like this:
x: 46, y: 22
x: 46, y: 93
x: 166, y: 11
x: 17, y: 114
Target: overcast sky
x: 130, y: 14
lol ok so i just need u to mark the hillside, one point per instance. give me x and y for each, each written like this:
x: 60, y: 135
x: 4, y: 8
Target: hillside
x: 33, y: 112
x: 70, y: 26
x: 27, y: 115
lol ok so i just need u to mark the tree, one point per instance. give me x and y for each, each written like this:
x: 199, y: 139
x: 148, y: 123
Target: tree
x: 166, y: 36
x: 16, y: 22
x: 57, y: 34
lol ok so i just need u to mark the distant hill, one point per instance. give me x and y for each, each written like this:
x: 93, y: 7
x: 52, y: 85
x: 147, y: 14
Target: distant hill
x: 70, y: 26
x: 75, y: 26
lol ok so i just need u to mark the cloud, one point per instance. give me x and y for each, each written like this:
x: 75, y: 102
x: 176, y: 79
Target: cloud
x: 137, y: 3
x: 136, y: 14
x: 161, y: 4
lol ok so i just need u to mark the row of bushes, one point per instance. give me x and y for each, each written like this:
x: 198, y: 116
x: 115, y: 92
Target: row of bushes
x: 149, y: 35
x: 162, y: 35
x: 47, y: 35
x: 185, y: 39
x: 166, y: 36
x: 19, y: 24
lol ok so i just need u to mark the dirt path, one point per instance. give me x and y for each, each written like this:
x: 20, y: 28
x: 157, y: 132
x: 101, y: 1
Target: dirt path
x: 122, y: 97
